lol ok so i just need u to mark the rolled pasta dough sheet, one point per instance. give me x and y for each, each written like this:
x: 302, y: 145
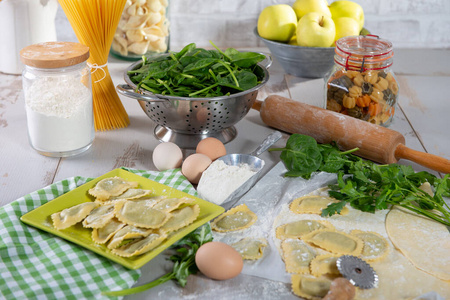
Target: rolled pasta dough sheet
x: 424, y: 242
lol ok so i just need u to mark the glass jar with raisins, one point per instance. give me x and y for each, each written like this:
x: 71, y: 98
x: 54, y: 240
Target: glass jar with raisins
x: 361, y: 83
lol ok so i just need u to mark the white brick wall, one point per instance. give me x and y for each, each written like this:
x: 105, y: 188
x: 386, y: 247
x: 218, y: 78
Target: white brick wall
x: 230, y: 23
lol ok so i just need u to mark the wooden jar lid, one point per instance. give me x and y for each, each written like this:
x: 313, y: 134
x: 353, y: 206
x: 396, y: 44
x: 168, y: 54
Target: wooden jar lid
x: 52, y: 55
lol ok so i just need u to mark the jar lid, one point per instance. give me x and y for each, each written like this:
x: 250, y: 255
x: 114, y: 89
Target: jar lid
x: 363, y: 52
x: 52, y: 55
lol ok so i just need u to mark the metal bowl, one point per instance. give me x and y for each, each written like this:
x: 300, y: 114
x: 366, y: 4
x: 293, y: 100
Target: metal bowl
x: 310, y: 62
x: 186, y: 121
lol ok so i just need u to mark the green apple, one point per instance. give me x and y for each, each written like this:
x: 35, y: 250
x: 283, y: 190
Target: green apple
x: 302, y: 7
x: 277, y: 23
x: 345, y: 8
x: 293, y: 40
x: 315, y: 30
x: 345, y: 27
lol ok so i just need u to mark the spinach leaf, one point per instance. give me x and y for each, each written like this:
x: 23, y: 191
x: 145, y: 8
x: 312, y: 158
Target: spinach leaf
x: 199, y: 64
x: 301, y: 155
x: 247, y: 59
x: 185, y: 50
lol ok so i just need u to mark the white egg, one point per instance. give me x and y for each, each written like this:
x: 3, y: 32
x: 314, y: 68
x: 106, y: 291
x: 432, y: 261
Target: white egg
x: 167, y: 156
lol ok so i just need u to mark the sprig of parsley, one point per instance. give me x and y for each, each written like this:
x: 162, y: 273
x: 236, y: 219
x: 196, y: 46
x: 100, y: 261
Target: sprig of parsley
x: 184, y: 261
x: 363, y: 184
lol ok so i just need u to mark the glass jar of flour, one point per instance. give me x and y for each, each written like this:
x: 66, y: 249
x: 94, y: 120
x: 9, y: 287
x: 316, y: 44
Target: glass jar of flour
x: 58, y: 98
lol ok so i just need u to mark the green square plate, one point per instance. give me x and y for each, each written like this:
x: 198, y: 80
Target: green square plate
x: 40, y: 217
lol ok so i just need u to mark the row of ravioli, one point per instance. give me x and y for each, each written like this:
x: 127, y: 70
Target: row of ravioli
x: 128, y: 220
x: 239, y: 218
x: 310, y: 248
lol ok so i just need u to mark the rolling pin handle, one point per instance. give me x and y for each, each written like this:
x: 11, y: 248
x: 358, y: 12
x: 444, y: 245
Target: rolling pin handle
x: 428, y: 160
x: 257, y: 105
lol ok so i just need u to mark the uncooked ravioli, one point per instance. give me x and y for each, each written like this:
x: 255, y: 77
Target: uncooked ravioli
x: 309, y: 287
x: 250, y: 248
x: 335, y: 241
x: 297, y: 256
x: 132, y: 194
x: 127, y: 233
x: 237, y: 218
x: 102, y: 235
x: 139, y: 213
x: 140, y: 246
x: 109, y: 187
x: 375, y: 246
x: 98, y: 217
x: 426, y: 243
x: 181, y: 217
x: 311, y: 204
x: 72, y: 215
x: 299, y: 228
x: 169, y: 204
x: 324, y: 264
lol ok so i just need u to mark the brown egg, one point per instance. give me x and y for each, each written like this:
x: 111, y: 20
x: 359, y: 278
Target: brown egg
x: 211, y: 147
x: 219, y: 261
x: 194, y: 165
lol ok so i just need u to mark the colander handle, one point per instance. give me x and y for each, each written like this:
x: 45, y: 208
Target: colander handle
x: 126, y: 90
x: 268, y: 61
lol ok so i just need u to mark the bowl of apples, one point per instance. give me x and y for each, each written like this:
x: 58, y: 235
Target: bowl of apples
x: 302, y: 36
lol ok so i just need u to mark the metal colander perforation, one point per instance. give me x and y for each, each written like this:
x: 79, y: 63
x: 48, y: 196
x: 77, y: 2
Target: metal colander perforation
x: 192, y: 119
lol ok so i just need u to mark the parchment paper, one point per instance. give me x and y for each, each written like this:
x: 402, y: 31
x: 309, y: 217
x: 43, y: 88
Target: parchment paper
x: 269, y: 200
x: 265, y: 200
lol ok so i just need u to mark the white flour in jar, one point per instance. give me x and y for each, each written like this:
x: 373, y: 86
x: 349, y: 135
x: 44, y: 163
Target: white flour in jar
x: 219, y: 180
x: 59, y: 114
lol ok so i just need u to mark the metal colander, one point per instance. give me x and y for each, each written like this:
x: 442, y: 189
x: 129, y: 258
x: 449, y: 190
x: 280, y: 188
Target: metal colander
x: 185, y: 121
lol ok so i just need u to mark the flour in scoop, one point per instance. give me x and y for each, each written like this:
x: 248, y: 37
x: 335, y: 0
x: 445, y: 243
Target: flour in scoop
x: 59, y: 113
x: 220, y: 180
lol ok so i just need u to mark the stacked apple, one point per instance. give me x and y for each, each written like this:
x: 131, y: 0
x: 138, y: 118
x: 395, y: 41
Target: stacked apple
x: 311, y: 23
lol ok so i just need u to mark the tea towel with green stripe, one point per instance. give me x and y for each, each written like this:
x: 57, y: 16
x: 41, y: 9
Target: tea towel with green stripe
x: 38, y: 265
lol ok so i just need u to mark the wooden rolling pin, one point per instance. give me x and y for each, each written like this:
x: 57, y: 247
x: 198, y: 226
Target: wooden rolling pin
x: 375, y: 142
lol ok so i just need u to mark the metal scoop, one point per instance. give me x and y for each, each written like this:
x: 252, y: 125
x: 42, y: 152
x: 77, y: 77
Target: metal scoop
x: 255, y: 163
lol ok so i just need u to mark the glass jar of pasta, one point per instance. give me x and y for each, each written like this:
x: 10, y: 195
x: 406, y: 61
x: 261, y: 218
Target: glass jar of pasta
x: 142, y: 30
x: 361, y: 83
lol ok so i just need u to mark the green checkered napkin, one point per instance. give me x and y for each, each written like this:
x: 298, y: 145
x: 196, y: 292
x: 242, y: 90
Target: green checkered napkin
x: 38, y: 265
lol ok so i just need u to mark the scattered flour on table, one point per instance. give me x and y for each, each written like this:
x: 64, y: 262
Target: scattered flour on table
x: 398, y: 278
x: 219, y: 180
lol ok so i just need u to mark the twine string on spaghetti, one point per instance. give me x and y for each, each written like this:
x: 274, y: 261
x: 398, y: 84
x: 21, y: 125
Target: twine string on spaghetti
x: 96, y: 67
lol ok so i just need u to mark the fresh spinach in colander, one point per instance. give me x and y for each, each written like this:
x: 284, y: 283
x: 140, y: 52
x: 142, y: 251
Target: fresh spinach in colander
x: 196, y: 72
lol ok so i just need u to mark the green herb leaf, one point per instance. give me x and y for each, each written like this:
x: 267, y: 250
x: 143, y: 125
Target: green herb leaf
x: 363, y: 184
x: 301, y: 155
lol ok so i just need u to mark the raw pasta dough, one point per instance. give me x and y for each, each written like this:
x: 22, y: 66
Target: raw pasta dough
x: 312, y: 204
x: 411, y: 234
x: 250, y: 248
x: 72, y: 215
x: 237, y: 218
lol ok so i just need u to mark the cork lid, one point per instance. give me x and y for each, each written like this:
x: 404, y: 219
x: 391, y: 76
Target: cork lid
x: 52, y: 55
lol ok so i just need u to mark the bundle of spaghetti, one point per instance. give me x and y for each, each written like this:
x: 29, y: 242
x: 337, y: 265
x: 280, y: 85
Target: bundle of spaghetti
x: 94, y: 23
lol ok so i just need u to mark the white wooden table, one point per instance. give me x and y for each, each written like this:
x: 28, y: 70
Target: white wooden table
x: 423, y: 118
